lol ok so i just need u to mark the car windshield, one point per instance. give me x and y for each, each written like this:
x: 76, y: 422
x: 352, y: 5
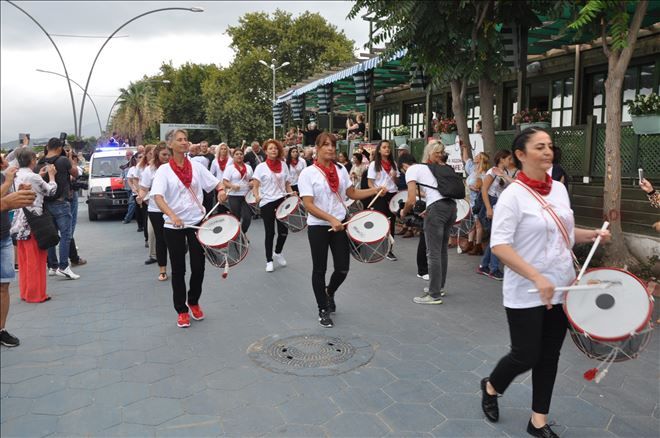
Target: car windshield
x: 107, y: 166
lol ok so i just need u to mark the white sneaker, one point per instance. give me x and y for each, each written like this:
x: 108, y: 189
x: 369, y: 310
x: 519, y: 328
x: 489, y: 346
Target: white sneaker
x: 423, y: 277
x: 442, y: 291
x: 51, y: 272
x: 279, y: 258
x: 67, y: 273
x: 269, y: 267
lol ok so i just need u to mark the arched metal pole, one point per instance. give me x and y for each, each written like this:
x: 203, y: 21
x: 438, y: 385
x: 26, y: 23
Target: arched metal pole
x: 91, y: 70
x: 66, y: 73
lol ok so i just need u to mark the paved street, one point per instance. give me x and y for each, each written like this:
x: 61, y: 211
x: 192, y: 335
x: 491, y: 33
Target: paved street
x: 104, y: 357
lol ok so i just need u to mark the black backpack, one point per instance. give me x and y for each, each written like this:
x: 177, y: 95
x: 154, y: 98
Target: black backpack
x: 450, y: 184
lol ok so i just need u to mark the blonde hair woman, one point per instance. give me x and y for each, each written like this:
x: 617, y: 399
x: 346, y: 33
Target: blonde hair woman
x: 476, y: 172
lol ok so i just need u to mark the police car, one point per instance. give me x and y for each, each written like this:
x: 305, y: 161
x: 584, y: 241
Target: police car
x: 106, y: 185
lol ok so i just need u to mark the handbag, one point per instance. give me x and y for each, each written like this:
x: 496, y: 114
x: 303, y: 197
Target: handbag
x: 43, y: 228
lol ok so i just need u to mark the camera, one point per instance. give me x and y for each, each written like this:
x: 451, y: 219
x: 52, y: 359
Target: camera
x: 414, y: 219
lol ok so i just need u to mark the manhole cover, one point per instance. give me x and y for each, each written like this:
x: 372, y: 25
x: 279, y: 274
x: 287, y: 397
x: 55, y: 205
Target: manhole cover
x: 311, y: 354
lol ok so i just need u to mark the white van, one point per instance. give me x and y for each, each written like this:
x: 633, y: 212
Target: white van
x: 106, y: 186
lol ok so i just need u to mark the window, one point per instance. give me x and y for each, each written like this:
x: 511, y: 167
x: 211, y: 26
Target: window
x: 473, y: 111
x: 385, y: 119
x: 415, y: 118
x: 561, y: 105
x: 598, y: 100
x: 511, y: 105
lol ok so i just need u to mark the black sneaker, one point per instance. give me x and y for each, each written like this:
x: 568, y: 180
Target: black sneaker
x: 489, y: 403
x: 332, y: 308
x: 543, y: 432
x: 390, y: 256
x: 150, y: 261
x: 9, y: 340
x: 324, y: 319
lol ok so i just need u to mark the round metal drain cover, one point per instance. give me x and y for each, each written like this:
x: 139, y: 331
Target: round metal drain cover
x: 311, y: 354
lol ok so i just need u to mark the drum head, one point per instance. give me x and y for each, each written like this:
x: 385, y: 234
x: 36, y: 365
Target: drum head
x: 609, y: 314
x: 287, y: 207
x: 462, y: 210
x: 368, y: 226
x: 394, y: 202
x: 218, y: 230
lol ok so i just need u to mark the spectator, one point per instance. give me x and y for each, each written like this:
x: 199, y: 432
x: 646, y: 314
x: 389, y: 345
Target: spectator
x: 32, y: 259
x: 59, y: 206
x: 309, y: 155
x: 556, y: 171
x: 342, y: 158
x: 356, y: 128
x: 195, y: 154
x: 295, y: 165
x: 654, y: 197
x: 401, y: 151
x: 206, y: 152
x: 476, y: 172
x: 357, y: 169
x: 311, y: 134
x: 255, y: 156
x: 74, y: 258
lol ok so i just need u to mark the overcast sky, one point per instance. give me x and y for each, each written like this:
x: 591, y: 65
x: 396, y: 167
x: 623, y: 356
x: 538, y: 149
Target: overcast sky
x: 40, y: 104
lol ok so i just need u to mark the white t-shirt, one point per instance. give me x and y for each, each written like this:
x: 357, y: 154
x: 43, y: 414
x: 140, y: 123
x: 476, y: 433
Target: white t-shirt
x: 272, y: 186
x: 520, y: 221
x: 232, y: 175
x: 294, y: 171
x: 422, y: 174
x: 498, y: 185
x: 201, y: 159
x: 215, y: 167
x: 146, y: 180
x: 312, y: 182
x: 180, y: 199
x: 382, y: 178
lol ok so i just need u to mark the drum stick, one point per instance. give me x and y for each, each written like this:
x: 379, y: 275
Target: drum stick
x: 192, y: 226
x: 601, y: 285
x: 591, y: 253
x: 374, y: 200
x: 211, y: 211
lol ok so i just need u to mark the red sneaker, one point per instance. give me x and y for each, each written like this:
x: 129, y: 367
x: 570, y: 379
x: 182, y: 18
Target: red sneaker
x: 197, y: 313
x: 183, y: 320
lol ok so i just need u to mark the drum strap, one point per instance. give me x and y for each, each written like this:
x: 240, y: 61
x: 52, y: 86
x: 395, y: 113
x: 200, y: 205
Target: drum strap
x: 194, y: 197
x: 560, y: 224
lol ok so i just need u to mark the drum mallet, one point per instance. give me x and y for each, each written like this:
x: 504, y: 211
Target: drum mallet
x: 374, y: 200
x: 591, y: 253
x: 211, y: 211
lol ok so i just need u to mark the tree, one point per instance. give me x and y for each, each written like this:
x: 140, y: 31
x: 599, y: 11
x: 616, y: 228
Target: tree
x: 138, y: 110
x: 619, y: 34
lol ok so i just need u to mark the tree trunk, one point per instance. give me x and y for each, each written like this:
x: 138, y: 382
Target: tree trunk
x: 487, y: 104
x: 457, y: 97
x: 616, y: 253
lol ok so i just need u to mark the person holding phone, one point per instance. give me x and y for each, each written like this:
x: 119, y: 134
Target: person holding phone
x: 653, y: 195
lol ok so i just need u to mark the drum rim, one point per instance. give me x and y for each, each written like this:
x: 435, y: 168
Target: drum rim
x: 458, y: 221
x: 580, y: 330
x: 223, y: 245
x: 348, y: 233
x: 292, y: 211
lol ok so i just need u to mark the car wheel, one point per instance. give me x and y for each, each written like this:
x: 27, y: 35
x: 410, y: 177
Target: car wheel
x: 93, y: 215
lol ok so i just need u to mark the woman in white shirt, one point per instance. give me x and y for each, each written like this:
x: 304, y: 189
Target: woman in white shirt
x: 536, y: 254
x: 324, y: 187
x: 161, y: 155
x: 143, y: 164
x: 219, y: 165
x: 236, y: 179
x: 178, y: 190
x: 383, y: 172
x: 296, y: 165
x: 271, y: 184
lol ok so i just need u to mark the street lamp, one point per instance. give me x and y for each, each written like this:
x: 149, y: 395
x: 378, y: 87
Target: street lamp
x: 272, y: 65
x: 107, y: 123
x: 79, y: 86
x: 91, y: 70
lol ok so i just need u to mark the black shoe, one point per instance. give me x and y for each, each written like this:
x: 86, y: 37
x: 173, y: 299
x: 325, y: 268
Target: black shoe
x: 140, y: 230
x: 332, y: 308
x: 8, y: 340
x: 150, y: 261
x: 489, y: 403
x: 390, y: 256
x: 125, y: 222
x: 324, y: 319
x: 543, y: 432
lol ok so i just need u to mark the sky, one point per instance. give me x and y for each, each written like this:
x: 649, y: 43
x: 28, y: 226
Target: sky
x: 40, y: 104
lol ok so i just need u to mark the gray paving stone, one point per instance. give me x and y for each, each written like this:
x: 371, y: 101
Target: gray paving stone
x: 413, y: 417
x: 231, y: 378
x: 466, y: 428
x: 120, y: 360
x: 90, y: 420
x: 459, y: 406
x: 29, y: 426
x: 619, y: 402
x: 319, y: 386
x: 16, y: 374
x: 147, y: 373
x: 260, y: 421
x: 99, y: 348
x: 213, y: 402
x: 39, y: 386
x: 169, y: 354
x: 94, y: 379
x: 412, y: 369
x: 75, y: 339
x: 585, y: 432
x: 412, y: 391
x: 640, y: 427
x: 574, y: 412
x: 407, y: 434
x: 61, y: 402
x: 296, y: 430
x: 369, y: 377
x: 12, y: 407
x: 47, y: 354
x: 517, y: 395
x: 72, y: 366
x: 129, y: 430
x: 355, y: 424
x: 303, y: 410
x: 191, y: 425
x: 457, y: 382
x: 174, y: 387
x: 121, y: 394
x: 362, y: 400
x: 268, y: 394
x: 451, y: 344
x: 152, y: 411
x: 456, y: 362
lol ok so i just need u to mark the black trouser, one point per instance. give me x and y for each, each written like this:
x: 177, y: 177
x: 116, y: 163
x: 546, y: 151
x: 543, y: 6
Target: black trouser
x: 176, y: 245
x: 139, y: 217
x: 319, y: 241
x: 209, y: 201
x: 382, y: 204
x: 145, y: 219
x: 241, y: 210
x: 158, y: 223
x: 73, y: 251
x: 294, y: 188
x: 422, y: 261
x: 268, y: 215
x: 537, y: 335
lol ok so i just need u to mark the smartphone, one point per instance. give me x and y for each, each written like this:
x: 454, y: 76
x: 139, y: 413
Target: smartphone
x: 641, y: 174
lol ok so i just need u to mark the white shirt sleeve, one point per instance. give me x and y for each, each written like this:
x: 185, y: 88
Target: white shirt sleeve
x: 371, y: 171
x: 159, y: 184
x: 305, y: 184
x: 505, y: 220
x: 215, y: 167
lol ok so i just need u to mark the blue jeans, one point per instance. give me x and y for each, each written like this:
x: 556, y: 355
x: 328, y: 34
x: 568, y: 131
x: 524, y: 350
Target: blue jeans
x: 74, y: 212
x: 131, y: 207
x: 491, y: 261
x: 7, y: 273
x: 61, y: 211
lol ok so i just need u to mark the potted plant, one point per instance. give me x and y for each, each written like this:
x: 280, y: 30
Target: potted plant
x: 400, y: 134
x: 529, y: 118
x: 447, y: 129
x: 645, y: 113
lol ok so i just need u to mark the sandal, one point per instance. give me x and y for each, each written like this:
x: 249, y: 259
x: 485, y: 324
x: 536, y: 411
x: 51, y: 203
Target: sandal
x: 162, y: 276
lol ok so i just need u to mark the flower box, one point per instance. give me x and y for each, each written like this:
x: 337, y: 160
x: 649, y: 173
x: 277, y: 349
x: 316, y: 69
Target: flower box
x: 448, y: 138
x: 542, y: 125
x: 400, y: 139
x: 648, y: 124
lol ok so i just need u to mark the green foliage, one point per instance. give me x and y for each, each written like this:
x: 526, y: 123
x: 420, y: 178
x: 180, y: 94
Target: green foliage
x: 611, y: 14
x: 401, y: 130
x: 139, y: 109
x: 644, y: 105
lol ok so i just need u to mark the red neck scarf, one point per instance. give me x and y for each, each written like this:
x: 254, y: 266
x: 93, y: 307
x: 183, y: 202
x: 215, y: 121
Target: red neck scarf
x: 275, y: 166
x: 184, y: 173
x: 331, y: 175
x: 541, y: 187
x: 241, y: 169
x: 294, y: 163
x: 386, y: 165
x: 223, y: 163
